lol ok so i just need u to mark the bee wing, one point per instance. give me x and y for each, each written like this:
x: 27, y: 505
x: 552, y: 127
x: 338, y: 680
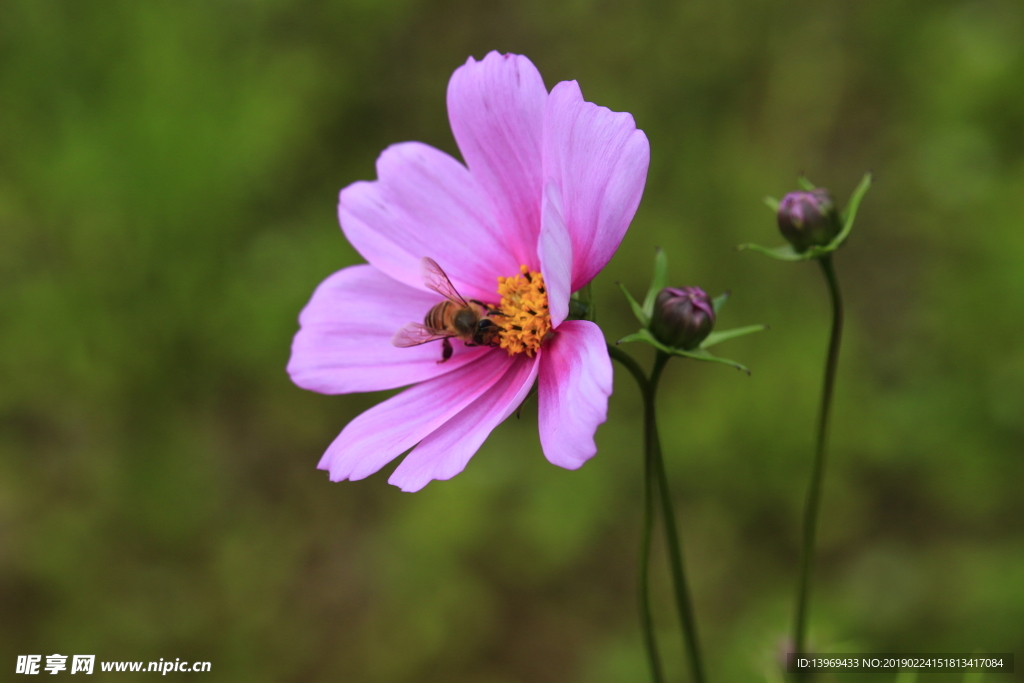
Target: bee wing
x: 435, y: 279
x: 414, y: 334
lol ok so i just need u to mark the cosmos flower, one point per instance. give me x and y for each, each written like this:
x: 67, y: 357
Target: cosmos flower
x: 548, y: 189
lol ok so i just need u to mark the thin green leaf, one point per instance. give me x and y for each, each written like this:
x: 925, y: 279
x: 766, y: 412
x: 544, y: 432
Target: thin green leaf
x: 658, y: 282
x: 719, y: 301
x: 637, y: 310
x: 805, y: 184
x: 726, y: 335
x: 772, y: 203
x: 783, y: 253
x: 701, y: 354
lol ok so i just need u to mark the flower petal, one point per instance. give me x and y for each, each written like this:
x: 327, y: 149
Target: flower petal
x: 446, y: 451
x: 496, y: 110
x: 575, y: 383
x: 344, y: 341
x: 555, y: 251
x: 425, y: 203
x: 388, y: 429
x: 599, y: 160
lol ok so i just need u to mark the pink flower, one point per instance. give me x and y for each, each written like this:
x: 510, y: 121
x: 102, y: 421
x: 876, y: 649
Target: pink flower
x: 551, y: 183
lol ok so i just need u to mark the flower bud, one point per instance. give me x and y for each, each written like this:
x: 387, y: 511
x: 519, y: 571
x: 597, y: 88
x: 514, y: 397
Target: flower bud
x: 808, y: 219
x: 683, y: 317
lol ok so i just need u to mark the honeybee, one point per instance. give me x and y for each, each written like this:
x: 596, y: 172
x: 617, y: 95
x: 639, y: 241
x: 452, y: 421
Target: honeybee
x: 469, y: 321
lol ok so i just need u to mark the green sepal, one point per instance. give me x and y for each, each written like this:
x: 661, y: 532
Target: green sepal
x: 726, y: 335
x: 696, y: 354
x: 788, y: 253
x: 645, y: 336
x: 850, y: 212
x: 719, y: 301
x: 772, y: 203
x: 805, y: 184
x: 784, y: 253
x: 701, y: 354
x: 638, y: 310
x: 658, y: 282
x: 642, y: 335
x: 645, y: 312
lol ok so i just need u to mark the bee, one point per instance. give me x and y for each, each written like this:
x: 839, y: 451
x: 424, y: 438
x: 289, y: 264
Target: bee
x: 455, y: 317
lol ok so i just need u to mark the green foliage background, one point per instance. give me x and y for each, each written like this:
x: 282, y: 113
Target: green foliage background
x: 168, y: 180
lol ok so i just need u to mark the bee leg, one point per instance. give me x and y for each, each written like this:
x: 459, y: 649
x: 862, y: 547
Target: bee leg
x: 446, y: 349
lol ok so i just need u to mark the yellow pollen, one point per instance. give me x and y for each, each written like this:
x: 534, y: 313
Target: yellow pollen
x: 523, y: 314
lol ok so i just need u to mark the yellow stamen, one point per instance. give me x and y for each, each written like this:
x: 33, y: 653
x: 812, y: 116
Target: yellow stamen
x: 523, y: 314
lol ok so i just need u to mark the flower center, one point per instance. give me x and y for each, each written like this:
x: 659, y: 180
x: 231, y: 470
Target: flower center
x: 523, y: 313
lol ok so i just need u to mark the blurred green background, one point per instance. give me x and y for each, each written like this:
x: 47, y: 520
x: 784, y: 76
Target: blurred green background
x: 168, y: 181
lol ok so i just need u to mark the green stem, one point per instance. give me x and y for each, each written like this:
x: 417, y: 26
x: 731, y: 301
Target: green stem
x: 684, y: 605
x: 643, y: 586
x: 813, y: 505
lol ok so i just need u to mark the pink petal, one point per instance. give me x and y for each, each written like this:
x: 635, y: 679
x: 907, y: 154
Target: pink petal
x: 446, y: 451
x: 496, y: 110
x: 388, y: 429
x: 344, y: 341
x: 599, y: 159
x: 425, y: 203
x: 555, y: 251
x: 575, y: 383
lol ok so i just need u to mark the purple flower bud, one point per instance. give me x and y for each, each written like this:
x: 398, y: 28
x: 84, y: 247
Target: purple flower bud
x: 683, y: 317
x: 808, y: 219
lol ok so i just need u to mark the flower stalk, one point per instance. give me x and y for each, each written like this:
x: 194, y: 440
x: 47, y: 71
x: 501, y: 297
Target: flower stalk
x: 684, y: 605
x: 813, y: 505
